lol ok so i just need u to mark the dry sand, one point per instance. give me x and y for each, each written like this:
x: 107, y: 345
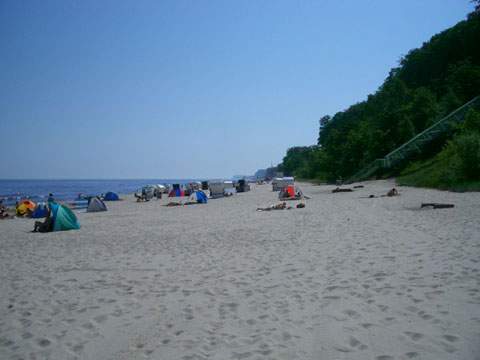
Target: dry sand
x: 344, y: 278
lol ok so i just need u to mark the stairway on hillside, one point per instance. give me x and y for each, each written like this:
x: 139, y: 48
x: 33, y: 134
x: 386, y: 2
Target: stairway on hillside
x: 417, y: 143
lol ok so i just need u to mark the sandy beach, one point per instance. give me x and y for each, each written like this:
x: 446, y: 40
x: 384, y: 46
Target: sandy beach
x: 345, y: 278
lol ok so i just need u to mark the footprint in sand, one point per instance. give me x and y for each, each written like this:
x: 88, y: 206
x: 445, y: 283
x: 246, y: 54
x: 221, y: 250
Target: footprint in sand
x: 88, y: 326
x: 383, y: 307
x: 451, y: 338
x: 27, y: 335
x: 43, y: 342
x: 413, y: 335
x: 241, y: 356
x: 355, y: 343
x: 412, y: 355
x: 5, y: 342
x: 352, y: 313
x: 367, y: 325
x: 77, y: 348
x: 331, y: 288
x: 343, y: 349
x: 425, y: 316
x: 412, y: 309
x: 100, y: 318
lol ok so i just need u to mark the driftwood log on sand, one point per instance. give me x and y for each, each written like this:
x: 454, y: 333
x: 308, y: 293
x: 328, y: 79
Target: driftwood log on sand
x: 438, y: 205
x: 341, y: 190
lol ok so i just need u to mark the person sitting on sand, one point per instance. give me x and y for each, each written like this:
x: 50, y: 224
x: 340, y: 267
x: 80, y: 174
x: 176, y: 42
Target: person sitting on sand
x: 3, y: 211
x: 142, y: 197
x: 392, y: 192
x: 46, y: 225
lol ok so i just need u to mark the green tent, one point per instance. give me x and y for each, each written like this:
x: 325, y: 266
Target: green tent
x: 63, y: 218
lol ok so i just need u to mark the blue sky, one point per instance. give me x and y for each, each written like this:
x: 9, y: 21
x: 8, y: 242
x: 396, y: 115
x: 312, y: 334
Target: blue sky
x: 181, y: 89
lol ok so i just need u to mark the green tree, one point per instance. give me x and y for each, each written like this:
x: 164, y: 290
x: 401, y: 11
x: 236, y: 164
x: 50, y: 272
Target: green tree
x: 423, y: 109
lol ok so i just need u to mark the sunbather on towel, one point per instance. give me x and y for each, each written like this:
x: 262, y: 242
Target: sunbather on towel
x: 190, y: 203
x: 281, y: 206
x: 173, y: 204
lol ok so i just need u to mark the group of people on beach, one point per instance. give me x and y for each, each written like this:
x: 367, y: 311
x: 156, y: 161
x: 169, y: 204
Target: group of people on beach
x: 39, y: 226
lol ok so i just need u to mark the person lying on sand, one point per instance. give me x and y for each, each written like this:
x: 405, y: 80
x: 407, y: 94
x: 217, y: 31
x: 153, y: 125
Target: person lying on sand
x: 190, y: 203
x: 392, y: 192
x: 281, y: 206
x: 337, y: 190
x: 170, y: 204
x: 300, y: 206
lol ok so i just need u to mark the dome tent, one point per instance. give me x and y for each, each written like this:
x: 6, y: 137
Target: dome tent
x: 199, y: 196
x: 111, y: 196
x: 96, y: 205
x: 24, y: 207
x: 63, y: 218
x: 41, y: 211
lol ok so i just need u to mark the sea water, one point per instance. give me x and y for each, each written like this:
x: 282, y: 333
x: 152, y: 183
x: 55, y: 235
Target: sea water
x: 64, y: 190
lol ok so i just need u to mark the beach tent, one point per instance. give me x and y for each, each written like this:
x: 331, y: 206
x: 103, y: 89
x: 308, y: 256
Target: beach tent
x: 217, y: 189
x: 229, y: 188
x: 176, y: 191
x: 111, y: 196
x: 96, y: 205
x: 199, y: 196
x: 41, y: 211
x: 242, y: 186
x: 25, y: 206
x: 63, y: 218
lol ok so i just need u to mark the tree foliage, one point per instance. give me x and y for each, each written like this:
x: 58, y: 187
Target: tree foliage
x: 429, y: 82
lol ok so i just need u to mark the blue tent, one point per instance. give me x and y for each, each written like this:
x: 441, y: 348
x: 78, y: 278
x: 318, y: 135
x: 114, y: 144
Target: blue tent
x: 63, y: 218
x: 111, y: 196
x: 40, y: 211
x: 199, y: 196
